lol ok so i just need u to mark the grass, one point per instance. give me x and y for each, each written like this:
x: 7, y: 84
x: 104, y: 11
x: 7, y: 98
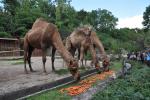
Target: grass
x: 116, y: 65
x: 135, y: 86
x: 62, y: 71
x: 66, y: 71
x: 50, y: 95
x: 17, y: 62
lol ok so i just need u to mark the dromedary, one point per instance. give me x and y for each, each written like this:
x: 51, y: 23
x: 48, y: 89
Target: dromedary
x: 98, y: 44
x: 83, y: 39
x: 80, y: 39
x: 44, y: 35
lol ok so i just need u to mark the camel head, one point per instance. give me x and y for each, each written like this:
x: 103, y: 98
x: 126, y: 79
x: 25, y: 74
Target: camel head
x: 97, y: 65
x: 106, y: 64
x: 73, y: 67
x: 86, y: 30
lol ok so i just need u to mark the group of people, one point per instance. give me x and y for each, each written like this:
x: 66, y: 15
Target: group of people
x: 143, y: 56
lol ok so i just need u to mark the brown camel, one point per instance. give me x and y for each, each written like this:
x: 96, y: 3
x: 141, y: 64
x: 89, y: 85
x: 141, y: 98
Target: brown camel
x: 44, y: 35
x: 98, y: 44
x: 83, y: 39
x: 80, y: 39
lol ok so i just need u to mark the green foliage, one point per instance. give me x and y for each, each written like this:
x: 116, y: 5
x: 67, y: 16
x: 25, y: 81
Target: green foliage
x: 4, y: 35
x: 116, y: 65
x: 105, y: 20
x: 134, y: 86
x: 146, y: 17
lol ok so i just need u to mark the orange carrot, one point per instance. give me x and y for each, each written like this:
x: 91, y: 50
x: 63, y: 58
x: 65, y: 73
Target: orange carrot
x: 85, y: 84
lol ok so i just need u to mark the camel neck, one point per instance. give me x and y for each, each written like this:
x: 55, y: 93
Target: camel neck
x: 57, y: 42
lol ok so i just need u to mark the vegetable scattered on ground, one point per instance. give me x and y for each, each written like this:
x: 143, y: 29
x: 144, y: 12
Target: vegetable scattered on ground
x: 85, y: 84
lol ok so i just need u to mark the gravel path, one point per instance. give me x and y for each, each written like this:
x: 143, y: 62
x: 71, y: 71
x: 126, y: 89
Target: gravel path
x: 13, y: 77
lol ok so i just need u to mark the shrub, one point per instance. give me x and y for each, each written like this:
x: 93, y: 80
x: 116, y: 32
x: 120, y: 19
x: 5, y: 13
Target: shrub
x: 4, y: 34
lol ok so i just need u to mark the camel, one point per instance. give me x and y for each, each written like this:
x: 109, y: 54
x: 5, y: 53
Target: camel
x: 44, y: 35
x: 80, y: 39
x: 83, y: 39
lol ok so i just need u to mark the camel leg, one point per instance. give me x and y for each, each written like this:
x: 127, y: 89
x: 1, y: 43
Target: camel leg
x: 81, y: 56
x: 25, y: 55
x: 85, y: 52
x: 53, y: 58
x: 30, y: 50
x: 80, y: 61
x: 78, y: 54
x: 95, y: 61
x: 72, y: 51
x: 44, y: 59
x: 25, y: 59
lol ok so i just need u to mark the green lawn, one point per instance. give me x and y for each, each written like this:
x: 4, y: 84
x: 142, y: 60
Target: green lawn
x: 116, y: 65
x: 135, y: 86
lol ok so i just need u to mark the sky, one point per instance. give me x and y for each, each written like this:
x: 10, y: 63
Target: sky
x: 129, y: 12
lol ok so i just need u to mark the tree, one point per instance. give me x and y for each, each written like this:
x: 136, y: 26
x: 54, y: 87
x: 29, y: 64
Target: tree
x: 146, y: 17
x: 10, y: 6
x: 65, y: 17
x: 91, y: 18
x: 105, y: 20
x: 146, y: 23
x: 82, y: 17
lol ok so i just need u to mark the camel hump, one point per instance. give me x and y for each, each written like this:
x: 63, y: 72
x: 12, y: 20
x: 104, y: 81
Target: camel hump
x: 40, y: 22
x: 43, y: 24
x: 83, y: 30
x: 89, y: 27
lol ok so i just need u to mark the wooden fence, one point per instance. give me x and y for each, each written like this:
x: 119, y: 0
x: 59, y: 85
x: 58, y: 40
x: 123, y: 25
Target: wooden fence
x: 13, y: 47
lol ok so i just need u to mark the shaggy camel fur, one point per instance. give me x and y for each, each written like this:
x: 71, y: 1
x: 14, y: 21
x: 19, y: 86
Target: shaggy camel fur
x: 44, y: 35
x: 83, y: 39
x: 80, y: 39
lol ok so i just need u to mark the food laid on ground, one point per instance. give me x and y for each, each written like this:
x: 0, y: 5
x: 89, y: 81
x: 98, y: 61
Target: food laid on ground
x: 85, y: 84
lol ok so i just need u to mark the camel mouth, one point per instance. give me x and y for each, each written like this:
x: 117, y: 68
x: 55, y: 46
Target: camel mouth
x: 77, y: 77
x: 75, y: 73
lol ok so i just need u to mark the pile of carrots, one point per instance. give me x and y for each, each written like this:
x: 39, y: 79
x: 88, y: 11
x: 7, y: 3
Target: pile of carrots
x: 85, y: 84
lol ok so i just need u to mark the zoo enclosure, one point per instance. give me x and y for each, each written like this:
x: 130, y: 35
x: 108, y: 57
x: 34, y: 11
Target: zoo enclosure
x: 14, y: 47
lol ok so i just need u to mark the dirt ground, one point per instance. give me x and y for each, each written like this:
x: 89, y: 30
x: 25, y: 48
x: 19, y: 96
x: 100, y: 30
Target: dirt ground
x: 13, y: 77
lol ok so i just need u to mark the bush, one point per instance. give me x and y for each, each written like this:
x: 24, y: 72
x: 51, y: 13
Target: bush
x: 4, y: 34
x: 21, y: 31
